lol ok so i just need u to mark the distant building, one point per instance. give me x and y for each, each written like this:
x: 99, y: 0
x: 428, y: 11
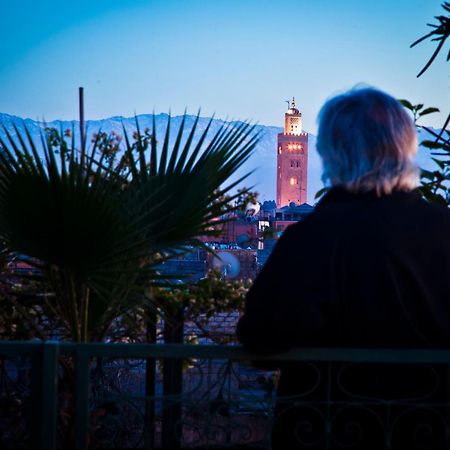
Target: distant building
x: 292, y: 159
x: 187, y: 267
x: 245, y: 239
x: 289, y: 214
x: 276, y: 220
x: 241, y: 229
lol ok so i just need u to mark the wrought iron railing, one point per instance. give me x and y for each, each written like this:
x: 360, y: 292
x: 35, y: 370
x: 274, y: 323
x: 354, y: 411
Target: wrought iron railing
x: 91, y: 396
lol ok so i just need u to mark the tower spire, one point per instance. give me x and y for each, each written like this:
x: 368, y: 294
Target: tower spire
x: 292, y: 119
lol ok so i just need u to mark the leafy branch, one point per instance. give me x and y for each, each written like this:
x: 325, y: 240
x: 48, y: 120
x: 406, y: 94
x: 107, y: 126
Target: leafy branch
x: 418, y: 110
x: 439, y: 34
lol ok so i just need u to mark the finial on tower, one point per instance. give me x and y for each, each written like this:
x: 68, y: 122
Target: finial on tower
x: 292, y: 119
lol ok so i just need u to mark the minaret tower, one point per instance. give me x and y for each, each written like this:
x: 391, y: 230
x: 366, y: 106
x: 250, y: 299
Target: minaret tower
x: 292, y: 159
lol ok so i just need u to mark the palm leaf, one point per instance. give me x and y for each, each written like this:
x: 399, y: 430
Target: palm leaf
x: 99, y: 232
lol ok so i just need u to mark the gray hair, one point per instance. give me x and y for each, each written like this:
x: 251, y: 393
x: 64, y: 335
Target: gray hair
x: 367, y: 142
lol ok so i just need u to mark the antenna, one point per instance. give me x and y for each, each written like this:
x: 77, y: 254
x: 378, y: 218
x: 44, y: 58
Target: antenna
x: 82, y: 129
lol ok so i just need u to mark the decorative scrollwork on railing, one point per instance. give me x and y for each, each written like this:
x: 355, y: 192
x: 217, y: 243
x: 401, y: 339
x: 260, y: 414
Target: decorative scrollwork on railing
x: 421, y: 427
x: 222, y: 411
x: 358, y: 426
x: 298, y: 425
x: 15, y: 402
x: 225, y: 402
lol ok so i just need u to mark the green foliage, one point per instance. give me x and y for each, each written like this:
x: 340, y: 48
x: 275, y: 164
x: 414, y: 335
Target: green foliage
x: 435, y: 184
x: 203, y: 301
x: 321, y: 192
x: 96, y: 223
x: 185, y: 184
x: 418, y: 110
x: 439, y: 34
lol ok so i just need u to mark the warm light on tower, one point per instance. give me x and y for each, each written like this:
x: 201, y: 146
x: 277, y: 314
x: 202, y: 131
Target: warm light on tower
x: 292, y: 159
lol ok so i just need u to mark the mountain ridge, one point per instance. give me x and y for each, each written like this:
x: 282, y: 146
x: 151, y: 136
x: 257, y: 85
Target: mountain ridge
x: 262, y: 164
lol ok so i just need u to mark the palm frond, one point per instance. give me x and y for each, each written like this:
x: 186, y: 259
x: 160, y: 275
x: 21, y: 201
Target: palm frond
x: 99, y: 230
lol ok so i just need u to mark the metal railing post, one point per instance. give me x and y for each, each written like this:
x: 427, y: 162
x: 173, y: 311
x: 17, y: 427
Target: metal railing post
x: 171, y: 427
x: 150, y: 380
x: 81, y: 397
x: 45, y: 387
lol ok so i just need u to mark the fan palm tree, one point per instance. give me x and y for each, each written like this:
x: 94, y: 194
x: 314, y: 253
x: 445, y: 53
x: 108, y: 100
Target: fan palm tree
x: 96, y: 229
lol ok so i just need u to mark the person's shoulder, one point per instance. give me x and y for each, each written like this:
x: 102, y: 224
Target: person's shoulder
x: 292, y: 232
x: 342, y: 202
x: 332, y: 208
x: 440, y: 211
x: 341, y: 213
x: 435, y: 221
x: 424, y: 211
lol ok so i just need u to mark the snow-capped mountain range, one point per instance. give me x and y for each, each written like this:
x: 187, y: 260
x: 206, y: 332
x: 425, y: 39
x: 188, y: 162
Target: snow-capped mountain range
x: 262, y: 162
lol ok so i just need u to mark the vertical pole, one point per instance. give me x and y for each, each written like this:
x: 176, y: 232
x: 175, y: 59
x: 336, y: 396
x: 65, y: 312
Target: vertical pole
x: 82, y: 127
x: 172, y: 429
x: 150, y: 380
x: 45, y: 395
x: 81, y: 397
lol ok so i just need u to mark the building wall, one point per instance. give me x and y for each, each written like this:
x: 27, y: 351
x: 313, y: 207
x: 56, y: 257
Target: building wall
x: 232, y: 231
x: 293, y: 122
x: 292, y: 165
x: 280, y: 225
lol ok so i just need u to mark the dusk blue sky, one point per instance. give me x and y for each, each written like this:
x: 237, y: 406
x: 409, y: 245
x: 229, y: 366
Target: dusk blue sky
x: 238, y: 58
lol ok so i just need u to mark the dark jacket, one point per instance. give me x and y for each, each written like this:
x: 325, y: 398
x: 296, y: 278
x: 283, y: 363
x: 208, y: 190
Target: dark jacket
x: 359, y: 271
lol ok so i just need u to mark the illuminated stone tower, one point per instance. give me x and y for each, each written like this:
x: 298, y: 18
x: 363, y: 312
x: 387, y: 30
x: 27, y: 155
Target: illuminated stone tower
x: 292, y: 159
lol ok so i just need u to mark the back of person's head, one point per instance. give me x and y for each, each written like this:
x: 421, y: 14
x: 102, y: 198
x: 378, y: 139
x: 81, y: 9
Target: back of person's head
x: 367, y: 142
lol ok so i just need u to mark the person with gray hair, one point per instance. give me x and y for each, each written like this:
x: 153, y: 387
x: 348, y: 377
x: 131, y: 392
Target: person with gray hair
x: 367, y: 142
x: 369, y: 267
